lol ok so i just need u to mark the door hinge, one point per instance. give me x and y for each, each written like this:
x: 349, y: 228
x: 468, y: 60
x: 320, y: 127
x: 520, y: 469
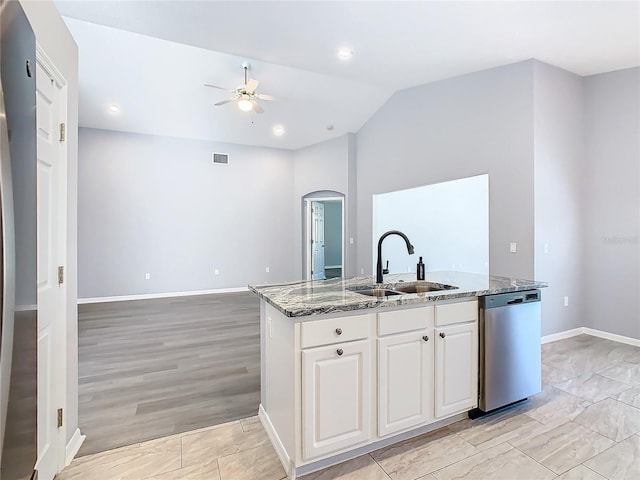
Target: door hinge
x: 60, y: 275
x: 62, y: 132
x: 59, y: 418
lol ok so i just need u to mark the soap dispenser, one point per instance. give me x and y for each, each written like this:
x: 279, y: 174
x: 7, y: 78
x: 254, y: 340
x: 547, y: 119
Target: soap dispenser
x: 420, y: 270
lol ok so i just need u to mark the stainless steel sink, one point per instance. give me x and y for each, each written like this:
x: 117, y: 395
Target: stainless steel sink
x: 377, y: 292
x: 423, y: 287
x: 401, y: 289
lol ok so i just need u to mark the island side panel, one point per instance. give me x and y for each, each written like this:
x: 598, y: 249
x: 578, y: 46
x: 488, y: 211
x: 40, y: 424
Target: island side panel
x: 263, y: 368
x: 279, y: 380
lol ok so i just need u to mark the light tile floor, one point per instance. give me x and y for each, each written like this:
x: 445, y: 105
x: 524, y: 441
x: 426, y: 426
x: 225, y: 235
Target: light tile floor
x: 585, y: 424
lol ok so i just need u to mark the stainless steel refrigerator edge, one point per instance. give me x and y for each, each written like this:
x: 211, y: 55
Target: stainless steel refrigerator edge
x: 18, y: 328
x: 510, y: 354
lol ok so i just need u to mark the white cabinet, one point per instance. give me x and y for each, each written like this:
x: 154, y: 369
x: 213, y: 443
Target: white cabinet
x: 336, y: 396
x: 405, y: 379
x: 456, y: 360
x: 405, y: 369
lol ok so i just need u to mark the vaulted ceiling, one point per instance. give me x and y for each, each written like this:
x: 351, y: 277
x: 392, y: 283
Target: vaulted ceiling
x: 152, y: 57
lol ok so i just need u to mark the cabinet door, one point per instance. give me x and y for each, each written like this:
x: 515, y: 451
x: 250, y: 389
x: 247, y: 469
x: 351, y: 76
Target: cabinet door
x: 456, y: 352
x: 405, y: 379
x: 336, y: 411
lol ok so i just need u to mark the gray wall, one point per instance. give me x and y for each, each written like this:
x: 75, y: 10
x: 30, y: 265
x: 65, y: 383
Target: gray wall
x: 157, y: 205
x: 460, y: 127
x: 558, y: 163
x: 611, y: 201
x: 56, y: 41
x: 332, y: 233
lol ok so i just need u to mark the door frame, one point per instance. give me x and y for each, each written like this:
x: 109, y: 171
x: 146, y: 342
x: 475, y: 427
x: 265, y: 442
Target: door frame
x: 307, y: 230
x: 59, y: 333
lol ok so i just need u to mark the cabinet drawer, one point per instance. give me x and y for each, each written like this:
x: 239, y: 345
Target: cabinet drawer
x: 405, y: 320
x: 456, y: 313
x: 334, y: 330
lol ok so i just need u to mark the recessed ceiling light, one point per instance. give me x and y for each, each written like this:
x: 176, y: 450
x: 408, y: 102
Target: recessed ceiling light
x: 278, y: 130
x: 114, y: 108
x: 345, y: 53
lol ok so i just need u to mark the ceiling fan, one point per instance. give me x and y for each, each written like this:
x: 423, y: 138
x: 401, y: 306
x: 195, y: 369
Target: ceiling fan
x: 245, y: 95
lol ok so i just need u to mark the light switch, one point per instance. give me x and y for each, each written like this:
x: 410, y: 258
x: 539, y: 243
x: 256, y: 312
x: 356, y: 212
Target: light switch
x: 350, y: 240
x: 566, y: 301
x: 266, y: 269
x: 546, y: 248
x: 147, y: 276
x: 513, y: 247
x: 216, y: 272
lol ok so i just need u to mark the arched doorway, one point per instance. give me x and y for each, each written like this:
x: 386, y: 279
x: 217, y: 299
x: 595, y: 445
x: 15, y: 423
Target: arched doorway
x: 323, y: 235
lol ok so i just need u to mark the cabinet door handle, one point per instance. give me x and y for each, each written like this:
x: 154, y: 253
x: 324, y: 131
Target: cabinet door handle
x: 426, y: 338
x: 339, y: 351
x: 442, y: 334
x: 338, y: 331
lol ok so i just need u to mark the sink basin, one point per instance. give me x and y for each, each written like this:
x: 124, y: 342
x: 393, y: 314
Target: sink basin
x: 423, y: 287
x: 401, y: 289
x: 377, y: 292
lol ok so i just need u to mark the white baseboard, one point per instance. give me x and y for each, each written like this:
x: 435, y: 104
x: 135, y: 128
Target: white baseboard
x: 554, y: 337
x: 590, y: 331
x: 73, y: 446
x: 287, y: 463
x: 148, y: 296
x: 612, y: 336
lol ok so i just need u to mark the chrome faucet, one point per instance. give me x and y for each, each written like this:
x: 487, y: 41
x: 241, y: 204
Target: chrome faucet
x: 379, y: 264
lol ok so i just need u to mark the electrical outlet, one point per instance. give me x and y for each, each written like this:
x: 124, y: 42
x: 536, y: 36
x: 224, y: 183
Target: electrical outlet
x: 362, y: 271
x: 216, y: 272
x: 350, y: 240
x: 566, y: 301
x: 147, y: 276
x: 266, y: 269
x: 513, y: 247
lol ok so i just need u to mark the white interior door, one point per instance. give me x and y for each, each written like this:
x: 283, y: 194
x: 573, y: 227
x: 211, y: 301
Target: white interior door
x: 50, y: 298
x: 317, y: 241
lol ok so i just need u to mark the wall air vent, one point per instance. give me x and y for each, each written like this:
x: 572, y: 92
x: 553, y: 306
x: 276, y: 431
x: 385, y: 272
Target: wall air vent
x: 220, y: 158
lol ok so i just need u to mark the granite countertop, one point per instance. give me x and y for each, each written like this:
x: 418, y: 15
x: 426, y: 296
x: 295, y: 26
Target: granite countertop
x: 315, y: 297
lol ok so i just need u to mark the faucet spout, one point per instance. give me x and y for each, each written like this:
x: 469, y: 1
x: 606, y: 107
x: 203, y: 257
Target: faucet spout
x: 379, y: 276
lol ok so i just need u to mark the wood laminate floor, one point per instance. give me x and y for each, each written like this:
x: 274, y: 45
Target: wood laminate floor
x: 152, y: 368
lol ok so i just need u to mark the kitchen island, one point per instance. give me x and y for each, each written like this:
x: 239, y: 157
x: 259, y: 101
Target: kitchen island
x: 350, y: 366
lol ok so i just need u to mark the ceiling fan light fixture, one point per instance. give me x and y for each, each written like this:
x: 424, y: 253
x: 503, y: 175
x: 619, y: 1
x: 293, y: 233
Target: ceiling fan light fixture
x: 245, y: 104
x: 113, y: 108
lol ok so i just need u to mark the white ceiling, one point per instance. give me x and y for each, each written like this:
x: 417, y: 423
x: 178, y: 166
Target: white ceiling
x: 156, y: 74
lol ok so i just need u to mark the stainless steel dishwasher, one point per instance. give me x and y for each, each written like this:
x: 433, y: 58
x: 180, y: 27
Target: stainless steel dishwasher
x: 510, y: 363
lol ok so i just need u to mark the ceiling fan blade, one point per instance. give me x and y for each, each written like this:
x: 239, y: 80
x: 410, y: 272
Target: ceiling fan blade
x: 251, y: 85
x: 264, y: 96
x: 216, y: 86
x: 225, y: 101
x: 256, y: 107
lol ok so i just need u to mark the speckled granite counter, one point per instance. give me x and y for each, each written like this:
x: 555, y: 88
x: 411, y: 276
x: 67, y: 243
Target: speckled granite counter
x: 302, y: 299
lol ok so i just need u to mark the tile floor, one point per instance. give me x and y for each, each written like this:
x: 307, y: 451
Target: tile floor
x: 585, y: 424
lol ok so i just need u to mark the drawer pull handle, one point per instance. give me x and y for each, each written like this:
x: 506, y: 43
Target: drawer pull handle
x: 338, y: 331
x: 426, y: 338
x: 340, y: 351
x: 442, y: 335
